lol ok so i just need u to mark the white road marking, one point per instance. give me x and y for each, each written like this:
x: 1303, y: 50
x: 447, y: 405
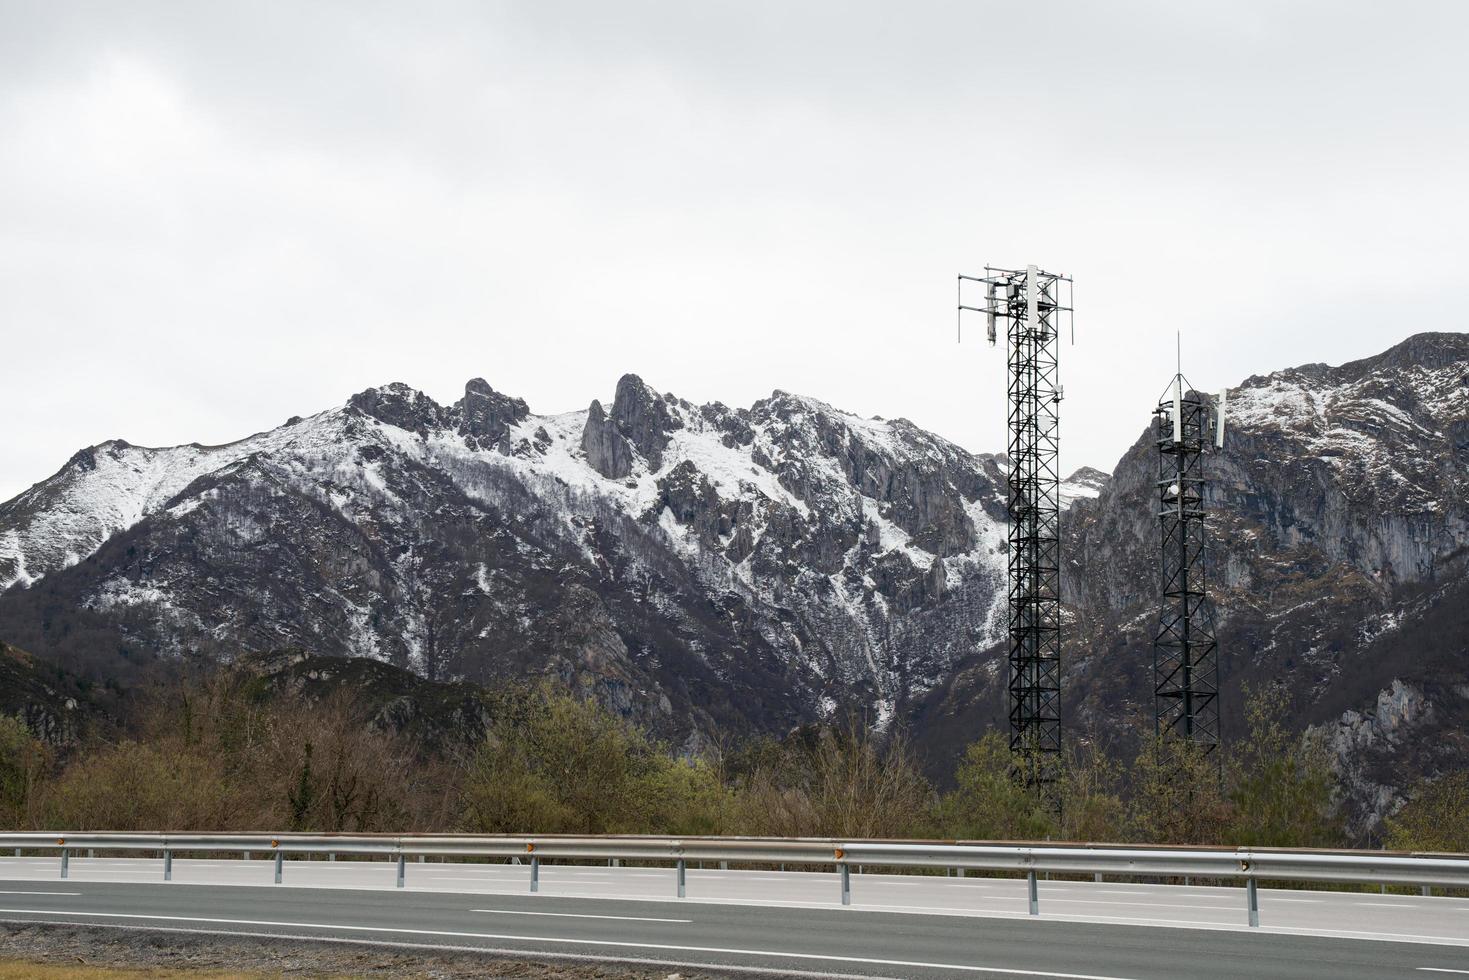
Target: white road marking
x: 582, y: 915
x: 40, y: 893
x: 118, y: 871
x: 521, y: 882
x: 722, y: 950
x: 526, y: 874
x: 1387, y: 905
x: 1307, y: 901
x: 749, y: 876
x: 475, y: 877
x: 1133, y: 905
x: 1439, y: 969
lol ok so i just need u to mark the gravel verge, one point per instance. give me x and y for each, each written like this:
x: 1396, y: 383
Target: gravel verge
x: 267, y: 956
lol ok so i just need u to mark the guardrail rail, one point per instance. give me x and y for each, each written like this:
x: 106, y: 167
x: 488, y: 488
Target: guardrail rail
x: 1032, y: 859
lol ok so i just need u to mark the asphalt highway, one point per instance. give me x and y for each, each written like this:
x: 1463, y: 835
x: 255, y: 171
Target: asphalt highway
x: 899, y: 925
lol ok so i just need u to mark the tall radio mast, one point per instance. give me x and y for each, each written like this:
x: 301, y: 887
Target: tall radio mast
x: 1035, y: 305
x: 1185, y: 653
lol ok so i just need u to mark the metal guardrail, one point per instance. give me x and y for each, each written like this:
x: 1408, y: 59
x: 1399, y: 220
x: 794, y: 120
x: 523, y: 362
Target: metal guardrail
x: 1248, y: 864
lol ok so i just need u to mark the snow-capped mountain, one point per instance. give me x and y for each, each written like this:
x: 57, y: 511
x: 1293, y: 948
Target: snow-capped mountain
x: 705, y: 568
x: 695, y: 565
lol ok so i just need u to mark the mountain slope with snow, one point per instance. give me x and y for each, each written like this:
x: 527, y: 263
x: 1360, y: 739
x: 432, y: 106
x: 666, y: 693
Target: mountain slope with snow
x: 658, y: 554
x: 707, y: 569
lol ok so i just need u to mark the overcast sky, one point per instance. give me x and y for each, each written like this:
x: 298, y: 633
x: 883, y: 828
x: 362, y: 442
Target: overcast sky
x: 214, y: 216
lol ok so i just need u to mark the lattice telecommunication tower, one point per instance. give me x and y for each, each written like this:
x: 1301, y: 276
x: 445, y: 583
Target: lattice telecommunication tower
x: 1185, y: 653
x: 1035, y: 306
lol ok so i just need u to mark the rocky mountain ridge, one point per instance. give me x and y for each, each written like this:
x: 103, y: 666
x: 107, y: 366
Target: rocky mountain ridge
x: 700, y: 567
x: 707, y: 569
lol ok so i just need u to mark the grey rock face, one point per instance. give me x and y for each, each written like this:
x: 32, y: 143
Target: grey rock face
x: 644, y: 418
x: 607, y: 450
x: 691, y: 499
x: 52, y: 705
x: 485, y: 415
x: 401, y: 406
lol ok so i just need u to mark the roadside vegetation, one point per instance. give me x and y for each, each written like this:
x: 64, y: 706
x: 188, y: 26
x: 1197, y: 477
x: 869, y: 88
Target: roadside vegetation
x: 219, y: 754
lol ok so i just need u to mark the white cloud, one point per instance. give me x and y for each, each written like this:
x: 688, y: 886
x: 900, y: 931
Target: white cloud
x: 215, y: 216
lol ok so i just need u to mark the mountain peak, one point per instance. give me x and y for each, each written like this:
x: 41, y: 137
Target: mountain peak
x: 400, y: 405
x: 1084, y: 484
x: 486, y: 415
x: 1430, y: 350
x: 643, y: 417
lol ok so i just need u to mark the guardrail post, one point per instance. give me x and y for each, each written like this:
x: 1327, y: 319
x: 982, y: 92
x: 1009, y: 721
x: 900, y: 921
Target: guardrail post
x: 331, y: 856
x: 681, y: 866
x: 246, y: 855
x: 1427, y: 891
x: 400, y: 869
x: 65, y: 867
x: 280, y: 860
x: 846, y: 885
x: 723, y: 865
x: 1035, y: 898
x: 1097, y: 877
x: 1253, y: 898
x: 535, y: 873
x: 168, y: 865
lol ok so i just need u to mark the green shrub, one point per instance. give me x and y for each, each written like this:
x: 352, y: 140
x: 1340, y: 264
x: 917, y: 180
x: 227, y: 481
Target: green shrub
x: 24, y: 762
x: 1435, y: 819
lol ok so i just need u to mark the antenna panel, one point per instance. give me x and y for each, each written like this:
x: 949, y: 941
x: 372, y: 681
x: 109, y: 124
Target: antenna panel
x: 1032, y: 300
x: 989, y: 315
x: 1219, y: 419
x: 1178, y: 408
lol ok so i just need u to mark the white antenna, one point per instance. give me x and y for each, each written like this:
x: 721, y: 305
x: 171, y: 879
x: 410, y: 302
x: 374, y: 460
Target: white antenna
x: 1178, y: 408
x: 1032, y: 299
x: 1219, y: 419
x: 989, y: 306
